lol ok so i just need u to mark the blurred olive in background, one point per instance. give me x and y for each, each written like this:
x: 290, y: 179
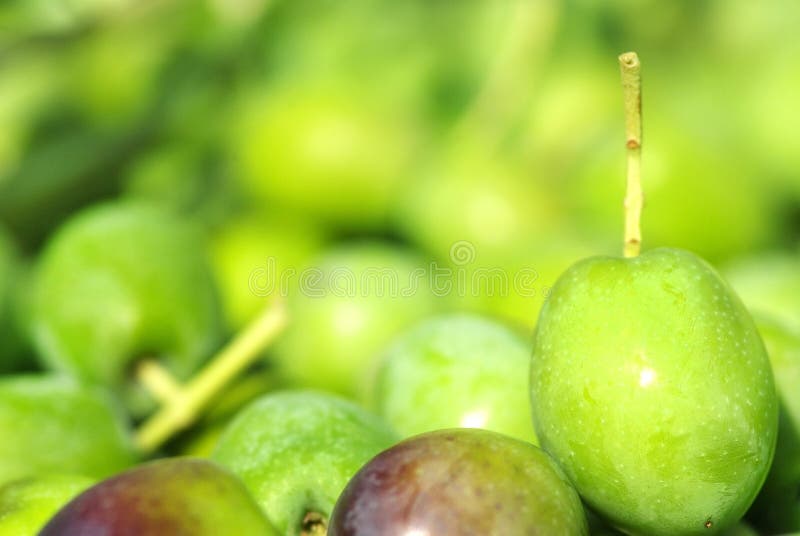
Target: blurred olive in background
x: 121, y: 283
x: 322, y: 151
x: 346, y: 309
x: 60, y: 426
x: 376, y: 163
x: 769, y: 285
x: 258, y: 256
x: 14, y: 352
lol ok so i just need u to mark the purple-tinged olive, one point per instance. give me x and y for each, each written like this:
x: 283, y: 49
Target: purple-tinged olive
x: 459, y: 481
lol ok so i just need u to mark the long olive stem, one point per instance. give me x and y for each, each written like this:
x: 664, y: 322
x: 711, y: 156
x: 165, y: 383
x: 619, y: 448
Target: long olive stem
x: 185, y: 406
x: 632, y: 92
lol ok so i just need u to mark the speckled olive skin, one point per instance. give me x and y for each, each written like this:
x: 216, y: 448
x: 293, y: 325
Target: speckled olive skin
x: 466, y: 371
x: 296, y: 450
x: 175, y: 496
x: 461, y: 482
x: 651, y: 387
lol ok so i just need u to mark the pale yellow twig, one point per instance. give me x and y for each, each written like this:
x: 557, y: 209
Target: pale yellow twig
x: 186, y: 405
x: 157, y: 380
x: 634, y: 199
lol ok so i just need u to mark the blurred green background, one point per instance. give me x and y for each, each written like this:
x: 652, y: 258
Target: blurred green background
x: 481, y: 137
x: 283, y: 129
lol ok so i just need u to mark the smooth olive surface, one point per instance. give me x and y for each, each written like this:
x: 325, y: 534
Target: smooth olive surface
x: 121, y: 282
x: 456, y: 371
x: 175, y: 496
x: 459, y: 482
x: 27, y: 504
x: 53, y: 425
x: 651, y: 387
x: 296, y: 450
